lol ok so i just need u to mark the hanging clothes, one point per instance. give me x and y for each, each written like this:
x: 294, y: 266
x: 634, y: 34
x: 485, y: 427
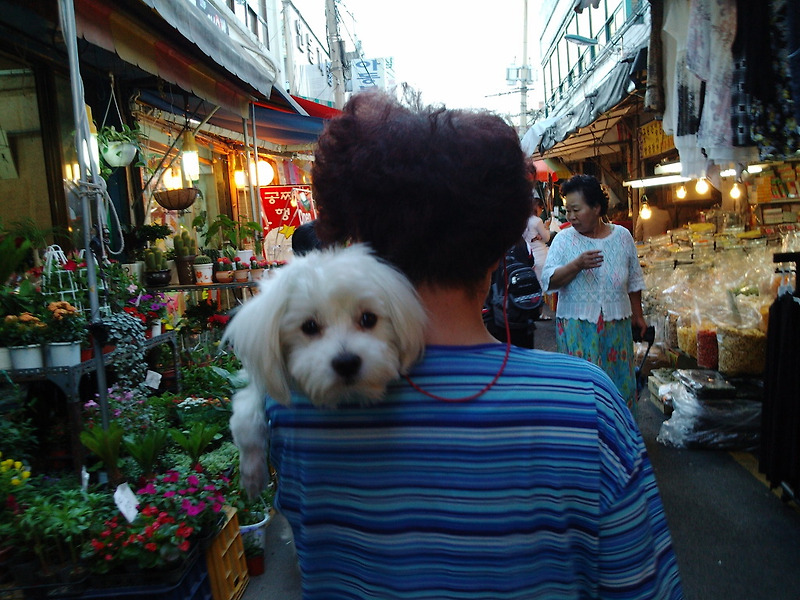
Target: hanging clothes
x: 779, y: 457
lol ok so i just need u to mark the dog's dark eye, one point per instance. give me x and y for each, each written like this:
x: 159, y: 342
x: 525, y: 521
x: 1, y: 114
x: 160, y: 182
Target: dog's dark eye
x: 310, y: 327
x: 368, y: 320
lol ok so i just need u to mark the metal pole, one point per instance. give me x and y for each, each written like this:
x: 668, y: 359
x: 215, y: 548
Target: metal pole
x: 523, y: 102
x: 255, y: 195
x: 83, y: 137
x: 335, y: 47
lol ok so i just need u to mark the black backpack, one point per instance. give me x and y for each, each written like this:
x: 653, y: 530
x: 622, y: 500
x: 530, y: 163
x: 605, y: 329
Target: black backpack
x: 525, y: 298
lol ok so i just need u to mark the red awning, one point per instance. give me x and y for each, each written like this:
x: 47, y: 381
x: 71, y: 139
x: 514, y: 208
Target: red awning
x: 551, y: 169
x: 315, y: 109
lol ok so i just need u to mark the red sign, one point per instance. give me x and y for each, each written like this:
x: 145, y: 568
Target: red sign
x: 286, y: 207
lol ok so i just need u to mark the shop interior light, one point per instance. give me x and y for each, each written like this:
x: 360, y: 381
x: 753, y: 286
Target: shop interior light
x: 701, y: 187
x: 262, y: 172
x: 736, y: 191
x: 668, y: 168
x: 654, y: 181
x: 644, y: 210
x: 190, y: 159
x: 172, y: 178
x: 681, y: 192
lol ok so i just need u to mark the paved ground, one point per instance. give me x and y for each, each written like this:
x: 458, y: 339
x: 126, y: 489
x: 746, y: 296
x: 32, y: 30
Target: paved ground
x: 734, y: 539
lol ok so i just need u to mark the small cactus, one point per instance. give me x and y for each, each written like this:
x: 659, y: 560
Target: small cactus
x: 184, y: 245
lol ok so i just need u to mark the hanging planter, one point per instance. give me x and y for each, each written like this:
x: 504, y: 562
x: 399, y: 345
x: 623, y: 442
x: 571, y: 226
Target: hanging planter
x: 119, y: 154
x: 180, y: 199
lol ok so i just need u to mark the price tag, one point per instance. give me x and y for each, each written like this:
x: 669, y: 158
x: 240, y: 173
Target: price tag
x: 152, y: 379
x: 126, y: 501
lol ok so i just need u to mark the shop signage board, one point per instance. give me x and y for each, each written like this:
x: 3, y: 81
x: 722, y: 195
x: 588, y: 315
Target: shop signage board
x: 283, y: 209
x: 653, y: 141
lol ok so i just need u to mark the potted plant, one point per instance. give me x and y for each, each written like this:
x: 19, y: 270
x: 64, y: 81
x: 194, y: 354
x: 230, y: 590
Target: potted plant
x: 241, y: 270
x: 118, y: 148
x: 223, y: 270
x: 156, y: 270
x: 185, y: 252
x: 25, y: 334
x: 254, y: 556
x: 66, y: 328
x: 203, y: 269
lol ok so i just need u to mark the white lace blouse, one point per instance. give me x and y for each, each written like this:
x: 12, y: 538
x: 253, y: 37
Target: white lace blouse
x: 603, y: 289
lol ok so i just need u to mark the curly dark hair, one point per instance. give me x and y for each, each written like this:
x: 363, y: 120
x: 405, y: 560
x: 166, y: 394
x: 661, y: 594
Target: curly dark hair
x: 589, y: 186
x: 439, y: 193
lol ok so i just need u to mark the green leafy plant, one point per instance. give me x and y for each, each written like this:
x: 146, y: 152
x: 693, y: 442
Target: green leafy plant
x: 106, y: 445
x: 196, y: 440
x: 224, y: 230
x: 146, y: 448
x: 23, y: 330
x: 131, y: 135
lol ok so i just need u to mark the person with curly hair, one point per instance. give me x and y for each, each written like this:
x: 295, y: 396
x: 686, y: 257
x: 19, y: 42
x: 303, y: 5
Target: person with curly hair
x: 594, y: 267
x: 489, y: 471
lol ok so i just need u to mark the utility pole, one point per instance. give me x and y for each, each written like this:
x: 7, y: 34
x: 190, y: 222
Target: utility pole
x: 525, y: 73
x: 335, y: 47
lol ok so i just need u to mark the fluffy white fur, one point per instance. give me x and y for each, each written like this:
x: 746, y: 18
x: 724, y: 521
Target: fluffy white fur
x: 339, y: 325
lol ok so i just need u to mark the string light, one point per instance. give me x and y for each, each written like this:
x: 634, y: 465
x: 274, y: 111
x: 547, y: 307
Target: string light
x: 736, y: 191
x: 701, y: 187
x: 681, y: 192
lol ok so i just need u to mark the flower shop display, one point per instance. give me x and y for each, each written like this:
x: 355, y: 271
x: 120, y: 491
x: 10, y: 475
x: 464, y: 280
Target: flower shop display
x: 150, y: 309
x: 241, y: 271
x: 185, y: 257
x: 24, y: 335
x: 156, y: 270
x: 257, y: 268
x: 66, y: 329
x: 223, y: 270
x: 203, y: 269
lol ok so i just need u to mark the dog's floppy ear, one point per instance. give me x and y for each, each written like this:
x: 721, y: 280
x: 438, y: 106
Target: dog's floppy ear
x: 254, y: 332
x: 406, y: 312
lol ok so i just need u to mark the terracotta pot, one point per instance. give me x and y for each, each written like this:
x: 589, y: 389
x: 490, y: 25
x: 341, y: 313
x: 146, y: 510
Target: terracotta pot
x: 223, y: 276
x: 241, y: 275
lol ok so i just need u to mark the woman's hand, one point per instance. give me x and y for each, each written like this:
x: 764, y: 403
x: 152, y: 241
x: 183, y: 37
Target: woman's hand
x: 591, y: 259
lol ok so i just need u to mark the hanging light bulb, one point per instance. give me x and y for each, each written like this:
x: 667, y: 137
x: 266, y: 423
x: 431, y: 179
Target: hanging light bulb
x: 91, y: 152
x: 190, y: 159
x: 736, y: 191
x: 265, y: 172
x: 172, y: 178
x: 681, y: 192
x: 701, y: 187
x: 644, y: 211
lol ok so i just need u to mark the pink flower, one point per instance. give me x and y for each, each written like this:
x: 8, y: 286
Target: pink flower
x: 148, y: 489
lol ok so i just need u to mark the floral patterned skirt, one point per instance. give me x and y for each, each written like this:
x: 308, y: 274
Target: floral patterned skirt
x: 608, y: 344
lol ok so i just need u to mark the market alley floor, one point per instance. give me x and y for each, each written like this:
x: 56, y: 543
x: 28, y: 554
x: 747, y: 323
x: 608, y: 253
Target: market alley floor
x: 733, y: 537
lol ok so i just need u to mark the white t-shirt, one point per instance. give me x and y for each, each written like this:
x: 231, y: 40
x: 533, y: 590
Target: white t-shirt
x: 536, y: 237
x: 603, y: 289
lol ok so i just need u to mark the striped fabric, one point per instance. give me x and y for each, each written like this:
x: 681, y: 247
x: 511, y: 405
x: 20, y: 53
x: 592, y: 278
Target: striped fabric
x: 540, y: 488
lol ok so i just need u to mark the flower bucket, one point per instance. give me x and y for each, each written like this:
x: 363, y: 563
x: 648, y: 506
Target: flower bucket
x: 155, y: 329
x: 256, y: 531
x: 62, y: 354
x: 203, y: 273
x: 5, y: 359
x: 27, y: 357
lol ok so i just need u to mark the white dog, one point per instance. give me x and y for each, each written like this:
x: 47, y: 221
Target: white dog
x: 337, y: 324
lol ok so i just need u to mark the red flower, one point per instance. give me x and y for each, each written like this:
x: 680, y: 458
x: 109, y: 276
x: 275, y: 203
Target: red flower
x: 70, y: 265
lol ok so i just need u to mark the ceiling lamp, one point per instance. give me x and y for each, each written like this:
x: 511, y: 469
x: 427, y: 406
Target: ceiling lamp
x: 190, y: 159
x: 644, y: 210
x: 653, y: 181
x: 681, y: 192
x: 736, y: 191
x: 261, y: 173
x: 668, y: 168
x: 701, y: 187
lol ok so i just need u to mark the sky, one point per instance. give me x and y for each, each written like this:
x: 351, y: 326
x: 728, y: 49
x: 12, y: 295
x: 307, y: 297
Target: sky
x: 454, y: 52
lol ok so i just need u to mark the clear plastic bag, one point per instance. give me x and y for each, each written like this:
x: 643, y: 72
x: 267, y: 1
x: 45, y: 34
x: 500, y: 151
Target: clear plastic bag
x: 733, y: 424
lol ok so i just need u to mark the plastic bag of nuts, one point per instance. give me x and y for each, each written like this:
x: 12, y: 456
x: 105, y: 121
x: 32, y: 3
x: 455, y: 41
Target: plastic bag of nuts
x: 742, y: 351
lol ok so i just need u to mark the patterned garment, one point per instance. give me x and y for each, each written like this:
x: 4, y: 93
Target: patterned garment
x: 608, y: 344
x: 539, y: 488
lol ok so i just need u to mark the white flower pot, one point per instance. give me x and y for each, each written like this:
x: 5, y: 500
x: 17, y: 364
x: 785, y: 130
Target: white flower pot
x: 119, y: 154
x: 5, y: 359
x: 62, y: 354
x: 135, y: 270
x: 256, y: 531
x: 203, y: 273
x: 245, y: 255
x: 27, y: 357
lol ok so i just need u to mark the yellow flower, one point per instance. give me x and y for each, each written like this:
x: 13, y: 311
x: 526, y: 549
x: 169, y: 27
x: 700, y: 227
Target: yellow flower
x: 16, y: 481
x: 26, y: 474
x: 17, y: 464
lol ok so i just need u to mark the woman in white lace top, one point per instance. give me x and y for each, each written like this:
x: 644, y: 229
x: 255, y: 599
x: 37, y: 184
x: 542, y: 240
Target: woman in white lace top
x: 595, y: 270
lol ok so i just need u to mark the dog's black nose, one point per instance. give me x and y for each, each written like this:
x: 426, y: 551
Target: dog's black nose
x: 346, y: 364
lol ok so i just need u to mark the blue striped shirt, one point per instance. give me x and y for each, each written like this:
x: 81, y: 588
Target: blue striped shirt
x: 539, y: 488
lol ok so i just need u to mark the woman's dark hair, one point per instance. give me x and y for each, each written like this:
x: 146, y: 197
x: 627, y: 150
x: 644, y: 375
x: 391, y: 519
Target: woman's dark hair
x: 593, y: 192
x: 439, y: 193
x: 304, y: 239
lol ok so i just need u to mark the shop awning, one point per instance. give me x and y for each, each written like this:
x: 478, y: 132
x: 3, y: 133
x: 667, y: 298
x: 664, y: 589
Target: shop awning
x: 182, y: 47
x: 551, y: 169
x: 315, y: 109
x: 272, y: 125
x: 587, y: 126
